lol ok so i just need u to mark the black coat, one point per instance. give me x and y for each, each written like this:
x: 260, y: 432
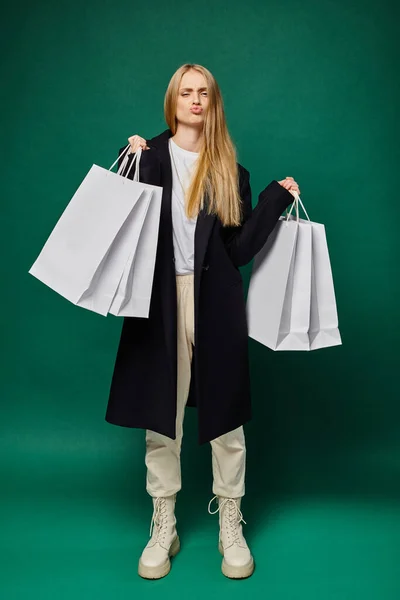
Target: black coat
x: 144, y: 383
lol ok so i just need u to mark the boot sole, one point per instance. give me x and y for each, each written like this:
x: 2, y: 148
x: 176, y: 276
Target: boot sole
x: 234, y: 572
x: 160, y: 570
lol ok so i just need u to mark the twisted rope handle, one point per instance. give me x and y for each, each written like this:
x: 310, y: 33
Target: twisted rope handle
x: 295, y: 203
x: 137, y: 156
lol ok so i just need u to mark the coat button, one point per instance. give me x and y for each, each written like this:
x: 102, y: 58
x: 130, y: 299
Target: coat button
x: 173, y: 259
x: 206, y: 267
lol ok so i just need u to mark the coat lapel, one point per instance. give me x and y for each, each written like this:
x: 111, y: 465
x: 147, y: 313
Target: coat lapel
x: 203, y: 231
x: 205, y: 221
x: 204, y: 226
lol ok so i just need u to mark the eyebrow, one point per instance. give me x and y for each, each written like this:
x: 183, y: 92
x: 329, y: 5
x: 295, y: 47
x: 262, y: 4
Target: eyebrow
x: 191, y: 89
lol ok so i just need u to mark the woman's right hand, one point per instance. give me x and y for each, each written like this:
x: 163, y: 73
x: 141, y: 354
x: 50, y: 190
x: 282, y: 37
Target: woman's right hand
x: 137, y: 142
x: 290, y: 185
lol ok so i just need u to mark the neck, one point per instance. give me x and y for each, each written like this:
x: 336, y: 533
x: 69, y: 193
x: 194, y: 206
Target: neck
x: 188, y: 138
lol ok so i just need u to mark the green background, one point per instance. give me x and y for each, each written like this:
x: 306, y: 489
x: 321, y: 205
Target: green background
x: 311, y: 91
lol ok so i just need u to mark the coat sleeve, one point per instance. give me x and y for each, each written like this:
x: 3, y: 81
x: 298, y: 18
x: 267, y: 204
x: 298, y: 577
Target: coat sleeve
x: 243, y: 242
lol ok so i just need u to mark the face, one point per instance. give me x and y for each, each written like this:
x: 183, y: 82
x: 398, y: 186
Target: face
x: 192, y: 100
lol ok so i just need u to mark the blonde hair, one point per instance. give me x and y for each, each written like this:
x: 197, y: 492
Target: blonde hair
x: 216, y: 173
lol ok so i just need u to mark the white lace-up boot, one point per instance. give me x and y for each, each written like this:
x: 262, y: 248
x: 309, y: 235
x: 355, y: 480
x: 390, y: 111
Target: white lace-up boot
x: 154, y: 562
x: 238, y: 562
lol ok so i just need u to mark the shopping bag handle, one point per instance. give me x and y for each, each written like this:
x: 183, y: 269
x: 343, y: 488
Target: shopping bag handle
x: 295, y: 203
x: 125, y: 160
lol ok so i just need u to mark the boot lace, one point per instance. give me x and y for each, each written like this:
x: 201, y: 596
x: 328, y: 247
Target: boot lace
x: 159, y: 519
x: 232, y: 516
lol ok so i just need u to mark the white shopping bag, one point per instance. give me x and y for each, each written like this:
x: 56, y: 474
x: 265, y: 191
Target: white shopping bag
x: 86, y: 254
x: 324, y: 331
x: 278, y: 302
x: 304, y: 315
x: 295, y: 320
x: 134, y: 291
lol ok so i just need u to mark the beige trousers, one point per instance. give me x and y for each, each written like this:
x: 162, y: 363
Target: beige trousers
x: 162, y: 453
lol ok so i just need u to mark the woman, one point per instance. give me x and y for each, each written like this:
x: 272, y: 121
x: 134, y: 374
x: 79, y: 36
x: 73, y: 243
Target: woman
x: 193, y: 348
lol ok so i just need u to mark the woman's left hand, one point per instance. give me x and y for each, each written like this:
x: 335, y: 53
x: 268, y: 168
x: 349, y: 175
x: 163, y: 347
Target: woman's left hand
x: 290, y: 184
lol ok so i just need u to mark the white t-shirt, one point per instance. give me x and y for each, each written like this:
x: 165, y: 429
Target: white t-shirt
x: 182, y: 161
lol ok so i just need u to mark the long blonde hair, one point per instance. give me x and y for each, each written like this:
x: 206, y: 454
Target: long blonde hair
x: 216, y: 173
